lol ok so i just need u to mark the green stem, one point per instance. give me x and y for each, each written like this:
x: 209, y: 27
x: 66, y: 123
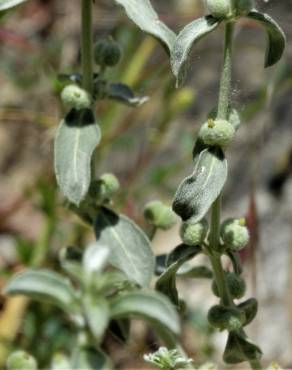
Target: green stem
x: 87, y: 45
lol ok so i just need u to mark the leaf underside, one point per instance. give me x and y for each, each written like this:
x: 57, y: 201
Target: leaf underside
x: 76, y: 139
x: 197, y: 192
x: 130, y: 249
x: 239, y: 349
x: 7, y: 4
x: 276, y: 38
x: 144, y: 16
x: 191, y: 34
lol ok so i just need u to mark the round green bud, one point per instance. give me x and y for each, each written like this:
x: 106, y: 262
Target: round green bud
x: 217, y: 132
x: 21, y: 360
x: 159, y: 215
x: 235, y: 234
x: 225, y: 318
x: 107, y: 53
x: 235, y: 283
x: 74, y: 97
x: 243, y: 7
x: 219, y: 8
x: 193, y: 233
x: 104, y: 188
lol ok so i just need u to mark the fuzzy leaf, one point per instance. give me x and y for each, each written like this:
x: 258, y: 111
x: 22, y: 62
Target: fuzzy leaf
x: 97, y: 315
x: 123, y: 94
x: 88, y: 358
x: 191, y: 34
x: 7, y: 4
x: 166, y: 283
x: 239, y: 349
x: 142, y: 13
x: 45, y: 285
x: 130, y: 249
x: 276, y: 37
x: 197, y: 192
x: 76, y: 139
x: 151, y: 306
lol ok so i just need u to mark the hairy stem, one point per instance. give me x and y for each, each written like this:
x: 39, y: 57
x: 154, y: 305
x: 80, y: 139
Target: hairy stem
x: 87, y: 45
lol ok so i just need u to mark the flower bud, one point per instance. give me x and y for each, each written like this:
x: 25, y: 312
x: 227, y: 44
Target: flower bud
x: 219, y: 8
x: 193, y: 233
x: 242, y: 7
x: 235, y: 234
x: 107, y: 53
x: 21, y: 360
x: 225, y: 318
x: 104, y: 188
x: 217, y: 132
x: 74, y: 97
x: 159, y: 215
x: 235, y: 283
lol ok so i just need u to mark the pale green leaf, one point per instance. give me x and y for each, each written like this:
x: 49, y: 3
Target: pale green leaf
x: 197, y: 192
x: 7, y: 4
x: 88, y: 358
x: 276, y: 38
x: 76, y: 139
x: 96, y: 311
x: 151, y: 306
x: 47, y: 286
x: 184, y: 42
x: 130, y: 249
x: 144, y: 16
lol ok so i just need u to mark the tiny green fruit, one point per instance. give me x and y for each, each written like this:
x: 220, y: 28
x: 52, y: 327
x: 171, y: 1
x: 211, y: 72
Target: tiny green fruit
x: 21, y: 360
x: 159, y: 215
x: 107, y: 53
x: 217, y: 133
x: 74, y: 97
x: 242, y: 7
x: 104, y: 188
x: 219, y: 8
x: 225, y: 318
x: 235, y: 234
x: 235, y: 283
x: 193, y: 233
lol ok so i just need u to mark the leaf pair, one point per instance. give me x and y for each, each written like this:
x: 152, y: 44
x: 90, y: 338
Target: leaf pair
x: 239, y: 349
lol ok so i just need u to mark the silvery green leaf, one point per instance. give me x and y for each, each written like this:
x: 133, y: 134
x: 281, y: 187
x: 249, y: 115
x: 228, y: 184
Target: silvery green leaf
x: 70, y: 260
x: 76, y: 139
x: 95, y: 258
x: 197, y: 192
x: 142, y: 13
x: 7, y: 4
x: 47, y: 286
x: 276, y: 37
x: 88, y: 358
x: 239, y: 349
x: 130, y: 249
x: 166, y: 283
x: 151, y: 306
x: 123, y: 94
x: 184, y: 42
x: 96, y: 311
x: 194, y: 272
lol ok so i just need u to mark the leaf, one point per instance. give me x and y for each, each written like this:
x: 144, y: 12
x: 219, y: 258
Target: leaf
x: 123, y: 94
x: 70, y: 260
x: 191, y: 34
x: 276, y: 38
x: 144, y: 16
x: 95, y: 258
x: 250, y: 308
x: 166, y: 283
x: 239, y: 349
x: 88, y: 358
x: 151, y: 306
x: 97, y: 315
x: 194, y: 272
x: 235, y: 260
x: 160, y: 264
x: 47, y: 286
x: 7, y: 4
x: 130, y: 249
x: 76, y: 139
x: 197, y: 192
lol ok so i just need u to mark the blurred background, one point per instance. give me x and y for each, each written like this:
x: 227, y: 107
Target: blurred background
x: 149, y: 149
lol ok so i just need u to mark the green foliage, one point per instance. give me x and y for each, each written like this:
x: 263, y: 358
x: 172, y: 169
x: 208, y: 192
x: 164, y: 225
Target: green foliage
x: 226, y: 318
x: 239, y: 349
x: 21, y: 360
x: 250, y: 309
x: 159, y: 215
x: 7, y: 4
x: 165, y: 359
